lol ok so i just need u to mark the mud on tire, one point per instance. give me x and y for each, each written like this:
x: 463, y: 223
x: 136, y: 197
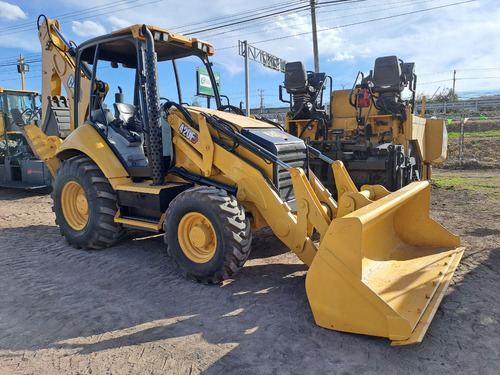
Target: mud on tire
x: 207, y: 234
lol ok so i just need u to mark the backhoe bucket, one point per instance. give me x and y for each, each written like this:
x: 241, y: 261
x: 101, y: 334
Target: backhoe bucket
x: 383, y: 269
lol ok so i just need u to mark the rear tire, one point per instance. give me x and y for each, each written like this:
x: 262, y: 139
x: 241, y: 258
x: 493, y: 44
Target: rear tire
x: 207, y: 234
x: 85, y: 205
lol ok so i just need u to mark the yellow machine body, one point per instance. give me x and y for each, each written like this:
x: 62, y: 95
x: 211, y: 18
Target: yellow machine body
x: 384, y: 268
x: 381, y: 266
x: 18, y: 166
x: 430, y: 135
x: 371, y: 127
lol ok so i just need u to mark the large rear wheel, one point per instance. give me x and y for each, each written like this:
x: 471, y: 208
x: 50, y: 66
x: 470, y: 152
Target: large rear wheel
x: 85, y: 205
x: 207, y: 234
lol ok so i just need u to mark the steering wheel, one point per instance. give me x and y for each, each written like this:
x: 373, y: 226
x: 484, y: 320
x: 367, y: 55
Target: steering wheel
x: 23, y: 118
x: 231, y: 108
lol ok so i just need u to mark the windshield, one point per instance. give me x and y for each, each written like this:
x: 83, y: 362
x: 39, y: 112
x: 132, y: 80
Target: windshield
x: 22, y: 102
x: 192, y: 88
x: 20, y: 109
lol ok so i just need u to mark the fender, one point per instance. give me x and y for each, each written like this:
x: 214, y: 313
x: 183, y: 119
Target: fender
x: 87, y: 140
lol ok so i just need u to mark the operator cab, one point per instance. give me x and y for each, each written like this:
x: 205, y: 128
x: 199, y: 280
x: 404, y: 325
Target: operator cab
x: 128, y: 120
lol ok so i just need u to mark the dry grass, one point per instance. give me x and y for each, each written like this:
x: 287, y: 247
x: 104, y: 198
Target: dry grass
x: 481, y: 148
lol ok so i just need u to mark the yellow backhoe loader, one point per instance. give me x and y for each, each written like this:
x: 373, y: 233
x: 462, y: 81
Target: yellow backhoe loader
x: 371, y: 128
x: 207, y: 178
x: 19, y: 167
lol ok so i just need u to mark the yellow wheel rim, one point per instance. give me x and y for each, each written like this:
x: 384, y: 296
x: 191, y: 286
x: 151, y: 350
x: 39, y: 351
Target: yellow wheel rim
x: 197, y: 237
x: 74, y: 205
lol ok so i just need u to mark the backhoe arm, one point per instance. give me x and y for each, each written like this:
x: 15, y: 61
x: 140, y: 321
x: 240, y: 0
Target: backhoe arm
x: 58, y: 70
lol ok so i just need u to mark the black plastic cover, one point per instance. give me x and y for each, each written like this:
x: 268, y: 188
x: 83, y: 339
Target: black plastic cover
x: 289, y: 149
x: 295, y: 77
x: 387, y: 74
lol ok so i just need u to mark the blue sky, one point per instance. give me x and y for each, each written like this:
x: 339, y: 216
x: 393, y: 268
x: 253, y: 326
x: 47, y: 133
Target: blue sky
x: 440, y: 36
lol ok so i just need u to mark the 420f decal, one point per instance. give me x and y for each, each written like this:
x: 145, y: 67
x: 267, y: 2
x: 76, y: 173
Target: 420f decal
x: 188, y: 133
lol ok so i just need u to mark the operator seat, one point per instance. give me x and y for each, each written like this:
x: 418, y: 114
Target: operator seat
x: 296, y: 78
x: 19, y: 119
x: 102, y: 116
x: 387, y: 76
x: 128, y: 114
x: 297, y: 84
x: 389, y: 83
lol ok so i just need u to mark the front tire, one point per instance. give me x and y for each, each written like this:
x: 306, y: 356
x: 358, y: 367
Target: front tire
x: 207, y: 234
x: 85, y: 205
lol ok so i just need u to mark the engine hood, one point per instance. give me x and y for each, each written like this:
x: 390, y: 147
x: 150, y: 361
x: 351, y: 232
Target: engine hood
x: 237, y: 120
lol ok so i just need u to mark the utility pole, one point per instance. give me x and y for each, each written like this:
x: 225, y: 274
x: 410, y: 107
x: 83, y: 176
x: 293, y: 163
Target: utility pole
x: 22, y: 68
x: 315, y: 36
x: 461, y: 140
x: 247, y: 79
x: 454, y: 79
x: 261, y: 101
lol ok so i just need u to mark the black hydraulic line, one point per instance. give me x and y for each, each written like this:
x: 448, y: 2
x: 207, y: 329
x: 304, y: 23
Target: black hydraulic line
x: 185, y: 113
x: 226, y: 129
x: 179, y: 92
x: 196, y: 179
x: 305, y: 127
x: 221, y: 126
x: 71, y: 49
x: 412, y: 87
x: 319, y: 155
x: 266, y: 120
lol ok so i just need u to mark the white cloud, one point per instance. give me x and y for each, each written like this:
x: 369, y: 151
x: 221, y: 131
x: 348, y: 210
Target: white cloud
x: 88, y: 28
x: 341, y: 56
x: 20, y: 44
x: 118, y: 23
x: 11, y: 12
x: 437, y: 37
x: 232, y: 64
x: 458, y: 37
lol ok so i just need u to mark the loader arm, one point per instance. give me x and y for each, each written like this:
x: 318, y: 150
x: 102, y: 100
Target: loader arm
x: 381, y: 266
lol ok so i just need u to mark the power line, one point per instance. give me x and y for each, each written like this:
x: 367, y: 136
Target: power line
x: 361, y: 22
x: 239, y: 22
x: 405, y: 4
x: 252, y: 11
x: 271, y: 10
x: 26, y: 61
x: 457, y: 79
x: 94, y: 11
x: 29, y: 24
x: 466, y: 78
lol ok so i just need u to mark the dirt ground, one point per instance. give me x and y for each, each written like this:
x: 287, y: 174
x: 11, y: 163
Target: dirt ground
x: 127, y: 310
x: 479, y: 152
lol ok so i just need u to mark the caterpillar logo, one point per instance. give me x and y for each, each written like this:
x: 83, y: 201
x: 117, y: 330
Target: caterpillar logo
x: 188, y: 133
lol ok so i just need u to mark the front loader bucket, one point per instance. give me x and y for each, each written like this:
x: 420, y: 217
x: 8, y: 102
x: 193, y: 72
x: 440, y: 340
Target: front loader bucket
x: 383, y: 269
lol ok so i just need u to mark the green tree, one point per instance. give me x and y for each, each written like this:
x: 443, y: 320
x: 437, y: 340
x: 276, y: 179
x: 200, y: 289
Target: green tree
x: 445, y: 95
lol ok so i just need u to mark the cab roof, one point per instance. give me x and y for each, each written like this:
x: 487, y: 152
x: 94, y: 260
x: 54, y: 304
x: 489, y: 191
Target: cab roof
x: 119, y: 45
